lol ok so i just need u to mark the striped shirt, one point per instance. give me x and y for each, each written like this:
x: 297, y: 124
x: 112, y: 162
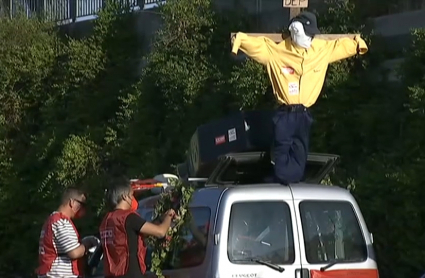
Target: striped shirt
x: 65, y: 239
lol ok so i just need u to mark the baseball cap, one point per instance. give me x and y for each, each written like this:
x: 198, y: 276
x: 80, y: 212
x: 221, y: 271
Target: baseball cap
x: 309, y: 21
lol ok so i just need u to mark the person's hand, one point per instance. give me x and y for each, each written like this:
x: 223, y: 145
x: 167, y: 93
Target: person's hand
x: 170, y: 213
x: 90, y: 242
x: 232, y: 40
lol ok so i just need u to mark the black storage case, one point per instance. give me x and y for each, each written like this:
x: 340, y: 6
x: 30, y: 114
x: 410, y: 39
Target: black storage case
x: 240, y: 132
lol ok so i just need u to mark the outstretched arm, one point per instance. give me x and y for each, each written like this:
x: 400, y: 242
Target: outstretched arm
x: 346, y: 47
x: 254, y: 47
x: 160, y: 230
x: 197, y: 234
x: 137, y: 224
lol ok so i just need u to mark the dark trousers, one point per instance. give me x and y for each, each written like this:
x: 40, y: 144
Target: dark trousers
x: 292, y: 125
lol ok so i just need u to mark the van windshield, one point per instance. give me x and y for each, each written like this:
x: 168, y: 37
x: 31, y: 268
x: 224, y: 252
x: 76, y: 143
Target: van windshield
x: 260, y: 231
x: 332, y: 232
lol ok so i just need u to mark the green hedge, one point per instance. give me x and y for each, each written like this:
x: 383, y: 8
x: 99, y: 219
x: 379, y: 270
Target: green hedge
x: 74, y: 112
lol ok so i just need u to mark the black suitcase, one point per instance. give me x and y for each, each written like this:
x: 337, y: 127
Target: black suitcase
x: 240, y: 132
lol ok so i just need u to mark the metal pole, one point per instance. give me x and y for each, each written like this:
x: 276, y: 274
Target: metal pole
x: 11, y: 9
x: 141, y: 4
x: 73, y: 10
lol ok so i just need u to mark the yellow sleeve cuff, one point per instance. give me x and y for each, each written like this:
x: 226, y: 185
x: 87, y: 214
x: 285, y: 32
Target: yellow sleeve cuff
x: 361, y: 45
x: 237, y: 43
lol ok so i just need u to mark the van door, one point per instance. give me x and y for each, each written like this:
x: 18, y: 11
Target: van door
x: 255, y: 234
x: 334, y: 240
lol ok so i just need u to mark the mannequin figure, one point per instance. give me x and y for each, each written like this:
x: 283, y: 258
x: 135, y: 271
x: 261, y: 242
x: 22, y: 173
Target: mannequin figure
x: 297, y: 69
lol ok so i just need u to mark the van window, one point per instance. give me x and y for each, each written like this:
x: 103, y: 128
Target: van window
x: 331, y: 231
x: 261, y: 230
x: 194, y: 237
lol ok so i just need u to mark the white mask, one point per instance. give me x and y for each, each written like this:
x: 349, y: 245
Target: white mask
x: 298, y: 35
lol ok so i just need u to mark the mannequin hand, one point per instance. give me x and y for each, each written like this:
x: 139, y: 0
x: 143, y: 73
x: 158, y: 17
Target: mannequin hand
x: 232, y: 40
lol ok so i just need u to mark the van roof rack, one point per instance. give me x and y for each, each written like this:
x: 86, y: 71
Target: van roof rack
x: 256, y: 167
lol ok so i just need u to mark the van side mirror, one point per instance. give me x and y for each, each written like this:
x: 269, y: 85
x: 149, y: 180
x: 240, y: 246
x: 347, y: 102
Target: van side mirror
x: 95, y: 255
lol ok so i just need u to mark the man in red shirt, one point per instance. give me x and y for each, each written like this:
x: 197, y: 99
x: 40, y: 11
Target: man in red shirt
x: 122, y: 231
x: 60, y: 250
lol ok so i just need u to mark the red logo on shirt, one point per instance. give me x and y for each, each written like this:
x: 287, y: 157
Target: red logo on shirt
x: 287, y: 70
x: 220, y: 140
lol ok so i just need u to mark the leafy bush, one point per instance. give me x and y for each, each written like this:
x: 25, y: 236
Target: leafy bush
x: 77, y: 111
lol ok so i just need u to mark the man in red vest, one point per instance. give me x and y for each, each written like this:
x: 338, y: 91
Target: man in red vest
x: 122, y: 231
x: 60, y: 251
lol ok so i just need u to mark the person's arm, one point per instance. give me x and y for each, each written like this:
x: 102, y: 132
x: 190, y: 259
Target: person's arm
x: 346, y: 47
x: 160, y: 230
x: 138, y: 224
x: 197, y: 234
x: 254, y: 47
x: 66, y: 240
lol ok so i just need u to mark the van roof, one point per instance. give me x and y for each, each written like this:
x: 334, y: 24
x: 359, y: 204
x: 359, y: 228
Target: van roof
x: 299, y: 190
x: 324, y: 192
x: 211, y: 194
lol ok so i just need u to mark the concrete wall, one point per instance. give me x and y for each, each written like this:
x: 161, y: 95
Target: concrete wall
x: 395, y: 31
x: 269, y: 15
x: 399, y: 24
x: 148, y: 23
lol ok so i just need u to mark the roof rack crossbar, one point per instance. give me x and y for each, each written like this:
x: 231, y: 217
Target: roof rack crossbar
x: 198, y: 179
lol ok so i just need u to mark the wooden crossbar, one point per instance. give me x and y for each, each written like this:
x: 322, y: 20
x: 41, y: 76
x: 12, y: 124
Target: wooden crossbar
x: 280, y: 37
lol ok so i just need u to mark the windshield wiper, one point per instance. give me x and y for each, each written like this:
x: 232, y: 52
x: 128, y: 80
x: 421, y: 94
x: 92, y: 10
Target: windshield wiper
x: 262, y: 262
x: 272, y: 266
x: 334, y: 262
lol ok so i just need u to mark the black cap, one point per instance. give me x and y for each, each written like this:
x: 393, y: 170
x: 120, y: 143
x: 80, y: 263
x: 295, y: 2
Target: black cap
x: 309, y: 21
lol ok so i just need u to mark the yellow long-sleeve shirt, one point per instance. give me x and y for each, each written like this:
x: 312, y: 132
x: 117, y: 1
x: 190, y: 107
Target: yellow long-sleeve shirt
x: 297, y: 74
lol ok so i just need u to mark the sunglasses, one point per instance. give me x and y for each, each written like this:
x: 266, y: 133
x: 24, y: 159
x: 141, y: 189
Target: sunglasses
x: 83, y: 204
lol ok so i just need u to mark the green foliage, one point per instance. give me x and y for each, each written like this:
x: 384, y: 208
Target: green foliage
x: 63, y: 105
x: 186, y: 80
x: 27, y: 54
x: 181, y: 194
x: 79, y: 156
x: 77, y: 111
x: 251, y: 86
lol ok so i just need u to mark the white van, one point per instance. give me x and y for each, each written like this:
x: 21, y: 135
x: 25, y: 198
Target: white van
x: 244, y: 228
